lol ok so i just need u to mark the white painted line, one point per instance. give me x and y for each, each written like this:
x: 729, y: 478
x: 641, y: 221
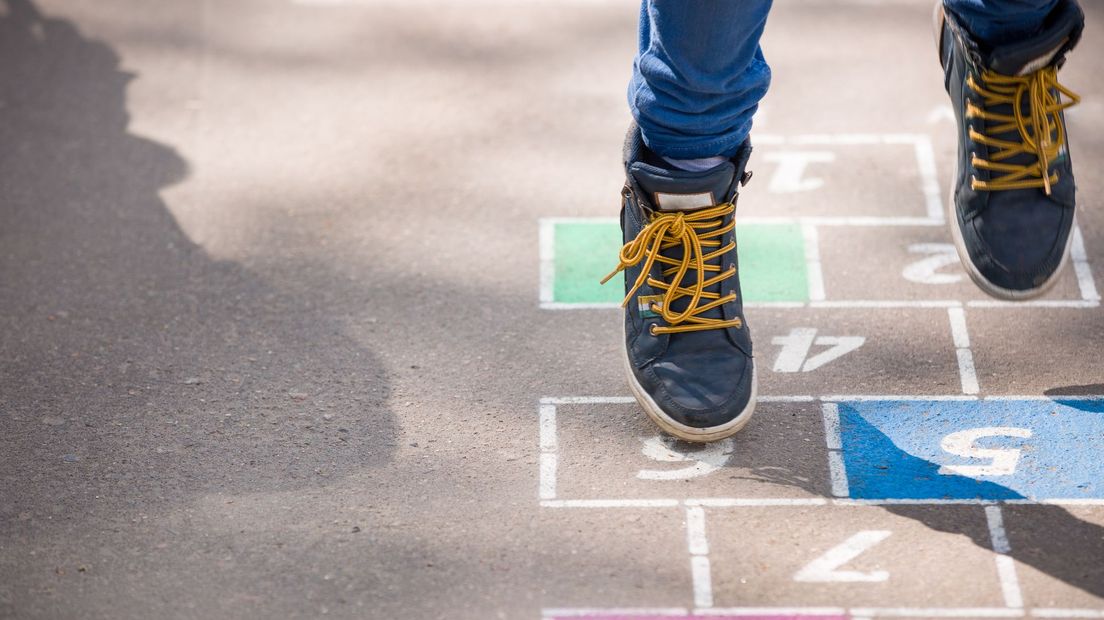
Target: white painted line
x: 1010, y: 583
x: 752, y: 502
x: 1045, y: 397
x: 959, y: 331
x: 574, y: 612
x: 961, y: 336
x: 1081, y: 267
x: 1050, y: 612
x: 887, y: 303
x: 610, y: 503
x: 915, y: 502
x: 548, y: 465
x: 938, y: 612
x: 548, y: 428
x: 813, y: 271
x: 997, y: 536
x: 587, y: 400
x: 547, y: 260
x: 1073, y: 501
x: 785, y: 399
x: 838, y: 472
x: 549, y: 446
x: 1006, y: 567
x: 698, y: 546
x: 830, y: 413
x: 1038, y: 303
x: 703, y: 581
x: 929, y: 180
x: 696, y: 541
x: 967, y: 372
x: 870, y: 397
x: 771, y: 611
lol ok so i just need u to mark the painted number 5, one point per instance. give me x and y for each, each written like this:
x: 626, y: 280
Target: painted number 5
x: 1002, y: 461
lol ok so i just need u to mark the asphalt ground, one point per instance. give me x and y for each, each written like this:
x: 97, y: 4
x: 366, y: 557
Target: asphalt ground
x: 284, y: 331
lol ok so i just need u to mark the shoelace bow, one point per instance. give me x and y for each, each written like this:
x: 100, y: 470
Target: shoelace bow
x: 1042, y: 135
x: 693, y: 230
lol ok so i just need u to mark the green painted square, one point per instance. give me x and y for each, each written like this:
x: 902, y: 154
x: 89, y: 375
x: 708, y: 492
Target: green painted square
x: 772, y: 262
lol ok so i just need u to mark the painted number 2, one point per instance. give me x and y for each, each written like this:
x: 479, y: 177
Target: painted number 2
x: 926, y: 270
x: 1002, y: 461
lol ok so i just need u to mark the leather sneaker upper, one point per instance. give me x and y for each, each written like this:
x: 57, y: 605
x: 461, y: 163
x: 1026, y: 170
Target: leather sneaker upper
x: 1014, y: 192
x: 685, y: 337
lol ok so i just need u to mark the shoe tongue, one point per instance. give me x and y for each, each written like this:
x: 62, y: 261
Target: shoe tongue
x: 1059, y: 33
x: 1025, y: 58
x: 678, y: 190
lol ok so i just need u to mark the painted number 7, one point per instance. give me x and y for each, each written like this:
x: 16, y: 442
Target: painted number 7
x: 1002, y: 461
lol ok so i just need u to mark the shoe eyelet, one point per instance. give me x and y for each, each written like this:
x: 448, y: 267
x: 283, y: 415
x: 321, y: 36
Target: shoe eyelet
x: 651, y: 330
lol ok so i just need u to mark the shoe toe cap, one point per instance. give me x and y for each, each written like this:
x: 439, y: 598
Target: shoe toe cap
x: 1018, y: 247
x: 701, y: 391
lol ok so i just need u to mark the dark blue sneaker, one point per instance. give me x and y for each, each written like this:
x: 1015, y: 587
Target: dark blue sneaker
x: 687, y: 347
x: 1013, y: 189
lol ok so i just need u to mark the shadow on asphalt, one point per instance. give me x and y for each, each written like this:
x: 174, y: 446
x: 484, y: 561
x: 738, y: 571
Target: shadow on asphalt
x: 1048, y: 538
x: 139, y: 375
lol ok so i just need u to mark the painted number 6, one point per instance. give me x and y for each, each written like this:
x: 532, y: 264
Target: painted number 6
x: 1002, y: 461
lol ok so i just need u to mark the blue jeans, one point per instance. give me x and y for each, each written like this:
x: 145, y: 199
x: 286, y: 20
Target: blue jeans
x: 700, y: 73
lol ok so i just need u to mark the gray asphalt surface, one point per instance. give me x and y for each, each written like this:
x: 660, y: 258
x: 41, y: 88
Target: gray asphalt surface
x: 271, y: 343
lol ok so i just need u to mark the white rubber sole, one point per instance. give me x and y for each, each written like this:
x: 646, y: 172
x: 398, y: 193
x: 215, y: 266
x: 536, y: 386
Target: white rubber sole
x: 689, y: 433
x: 981, y: 281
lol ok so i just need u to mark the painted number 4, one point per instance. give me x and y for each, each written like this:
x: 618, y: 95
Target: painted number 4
x: 794, y: 356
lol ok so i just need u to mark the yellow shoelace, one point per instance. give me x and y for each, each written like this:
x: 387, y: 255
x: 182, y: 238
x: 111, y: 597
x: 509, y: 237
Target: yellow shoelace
x: 1042, y: 135
x: 693, y: 230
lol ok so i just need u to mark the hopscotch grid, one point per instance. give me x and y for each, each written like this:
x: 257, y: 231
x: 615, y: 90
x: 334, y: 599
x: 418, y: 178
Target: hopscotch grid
x: 833, y: 442
x: 924, y: 154
x: 697, y: 544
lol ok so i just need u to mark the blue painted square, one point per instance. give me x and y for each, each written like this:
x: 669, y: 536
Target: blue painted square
x: 990, y: 449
